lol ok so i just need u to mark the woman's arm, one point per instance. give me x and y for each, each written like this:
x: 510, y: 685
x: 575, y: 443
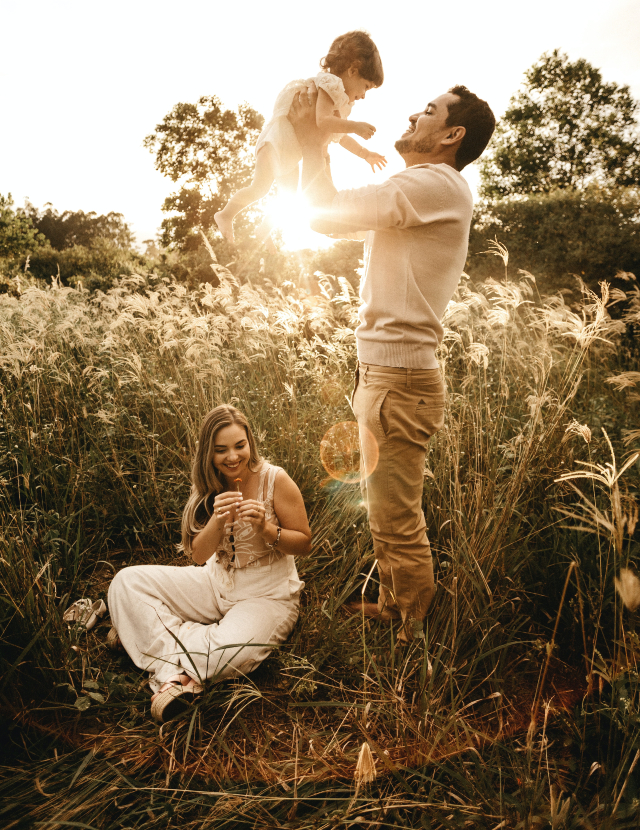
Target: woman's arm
x: 207, y: 542
x: 295, y: 534
x: 330, y: 123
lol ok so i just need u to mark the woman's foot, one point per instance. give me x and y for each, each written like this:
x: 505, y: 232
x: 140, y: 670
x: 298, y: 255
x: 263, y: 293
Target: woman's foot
x: 177, y: 681
x: 113, y: 641
x: 173, y: 697
x: 225, y: 226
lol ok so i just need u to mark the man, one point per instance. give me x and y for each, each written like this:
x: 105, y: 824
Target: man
x: 419, y: 223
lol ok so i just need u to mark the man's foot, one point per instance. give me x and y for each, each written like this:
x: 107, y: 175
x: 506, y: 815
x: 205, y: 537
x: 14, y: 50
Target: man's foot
x: 371, y: 610
x: 225, y: 226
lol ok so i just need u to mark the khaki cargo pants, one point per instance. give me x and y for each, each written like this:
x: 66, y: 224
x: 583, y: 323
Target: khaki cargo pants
x: 402, y: 409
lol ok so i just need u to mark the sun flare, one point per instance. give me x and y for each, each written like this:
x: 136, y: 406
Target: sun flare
x: 291, y: 215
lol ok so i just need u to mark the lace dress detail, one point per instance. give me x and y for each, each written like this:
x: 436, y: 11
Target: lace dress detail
x: 279, y: 133
x: 250, y: 547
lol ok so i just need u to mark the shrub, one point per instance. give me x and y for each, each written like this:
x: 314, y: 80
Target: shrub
x: 593, y: 233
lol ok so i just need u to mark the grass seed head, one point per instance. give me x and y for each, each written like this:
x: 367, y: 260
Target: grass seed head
x: 366, y: 766
x: 628, y: 586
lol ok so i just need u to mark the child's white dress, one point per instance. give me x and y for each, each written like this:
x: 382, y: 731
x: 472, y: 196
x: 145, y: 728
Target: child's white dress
x: 209, y: 622
x: 278, y: 131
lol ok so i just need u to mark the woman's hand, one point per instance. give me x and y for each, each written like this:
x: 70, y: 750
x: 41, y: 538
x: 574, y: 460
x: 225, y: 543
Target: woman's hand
x: 252, y: 511
x: 363, y: 129
x: 224, y: 506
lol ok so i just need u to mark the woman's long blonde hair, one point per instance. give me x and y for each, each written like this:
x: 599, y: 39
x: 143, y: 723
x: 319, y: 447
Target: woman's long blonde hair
x: 205, y: 480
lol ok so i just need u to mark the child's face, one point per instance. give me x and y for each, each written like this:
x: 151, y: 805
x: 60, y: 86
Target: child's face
x: 355, y: 85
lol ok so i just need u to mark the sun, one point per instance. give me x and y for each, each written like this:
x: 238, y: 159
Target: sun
x: 291, y: 215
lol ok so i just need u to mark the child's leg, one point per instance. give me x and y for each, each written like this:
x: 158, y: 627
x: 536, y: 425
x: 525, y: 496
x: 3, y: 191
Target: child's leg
x: 286, y: 184
x: 263, y: 176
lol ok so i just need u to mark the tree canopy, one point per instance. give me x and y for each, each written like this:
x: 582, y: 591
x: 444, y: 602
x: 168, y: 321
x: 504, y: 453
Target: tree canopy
x: 564, y: 128
x: 17, y: 234
x: 208, y: 150
x: 64, y: 230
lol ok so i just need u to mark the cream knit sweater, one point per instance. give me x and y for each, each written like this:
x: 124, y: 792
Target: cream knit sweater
x: 419, y: 221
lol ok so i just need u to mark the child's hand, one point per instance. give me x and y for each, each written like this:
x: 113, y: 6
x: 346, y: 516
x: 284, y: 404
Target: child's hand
x: 363, y: 129
x: 374, y: 159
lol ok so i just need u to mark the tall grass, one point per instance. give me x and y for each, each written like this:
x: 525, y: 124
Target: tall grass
x: 507, y: 714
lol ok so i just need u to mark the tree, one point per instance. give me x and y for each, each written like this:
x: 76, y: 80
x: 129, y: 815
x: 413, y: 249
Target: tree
x: 17, y: 233
x: 594, y: 233
x: 564, y: 128
x: 64, y: 230
x: 208, y: 150
x: 341, y: 260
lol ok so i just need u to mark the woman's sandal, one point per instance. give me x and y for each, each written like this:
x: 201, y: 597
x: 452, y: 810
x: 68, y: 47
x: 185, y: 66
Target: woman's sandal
x: 169, y: 702
x: 114, y: 643
x: 85, y: 612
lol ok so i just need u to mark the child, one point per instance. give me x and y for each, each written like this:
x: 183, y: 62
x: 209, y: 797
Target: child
x: 350, y: 69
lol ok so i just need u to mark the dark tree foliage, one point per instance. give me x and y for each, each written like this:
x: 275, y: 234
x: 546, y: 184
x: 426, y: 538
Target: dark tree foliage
x: 64, y: 230
x: 208, y: 150
x: 18, y: 236
x: 564, y: 128
x: 341, y: 260
x: 594, y: 233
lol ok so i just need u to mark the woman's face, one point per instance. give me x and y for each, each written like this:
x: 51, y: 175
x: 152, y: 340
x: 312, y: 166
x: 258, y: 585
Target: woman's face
x: 231, y: 451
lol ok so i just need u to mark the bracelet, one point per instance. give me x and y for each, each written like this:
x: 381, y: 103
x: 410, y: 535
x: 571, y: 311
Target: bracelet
x: 273, y: 545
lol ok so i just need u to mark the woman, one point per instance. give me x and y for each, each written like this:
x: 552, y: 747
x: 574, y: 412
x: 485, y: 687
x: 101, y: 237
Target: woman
x: 244, y: 521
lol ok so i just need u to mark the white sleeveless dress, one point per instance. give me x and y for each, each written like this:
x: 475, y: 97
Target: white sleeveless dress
x: 210, y: 622
x: 278, y: 131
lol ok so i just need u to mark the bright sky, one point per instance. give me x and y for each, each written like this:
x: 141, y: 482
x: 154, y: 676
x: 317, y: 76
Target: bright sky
x: 82, y: 83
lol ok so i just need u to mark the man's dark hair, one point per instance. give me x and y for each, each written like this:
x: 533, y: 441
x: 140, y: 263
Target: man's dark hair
x: 476, y: 117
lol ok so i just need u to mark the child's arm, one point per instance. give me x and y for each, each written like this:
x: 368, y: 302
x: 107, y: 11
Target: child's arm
x: 330, y: 123
x: 374, y: 159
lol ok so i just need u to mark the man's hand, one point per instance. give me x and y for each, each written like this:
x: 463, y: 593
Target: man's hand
x: 317, y: 186
x: 302, y: 115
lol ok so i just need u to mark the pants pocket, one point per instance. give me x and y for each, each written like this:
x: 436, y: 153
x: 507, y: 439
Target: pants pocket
x: 356, y: 378
x: 430, y: 416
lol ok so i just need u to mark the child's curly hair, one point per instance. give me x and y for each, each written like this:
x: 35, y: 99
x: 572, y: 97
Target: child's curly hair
x: 354, y: 48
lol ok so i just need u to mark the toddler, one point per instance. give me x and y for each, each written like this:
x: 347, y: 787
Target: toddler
x: 350, y: 69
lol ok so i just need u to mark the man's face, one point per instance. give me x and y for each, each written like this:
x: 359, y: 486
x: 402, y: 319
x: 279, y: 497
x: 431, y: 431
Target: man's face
x: 427, y: 128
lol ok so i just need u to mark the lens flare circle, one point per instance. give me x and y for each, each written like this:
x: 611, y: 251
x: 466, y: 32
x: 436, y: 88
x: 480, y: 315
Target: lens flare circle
x: 340, y: 451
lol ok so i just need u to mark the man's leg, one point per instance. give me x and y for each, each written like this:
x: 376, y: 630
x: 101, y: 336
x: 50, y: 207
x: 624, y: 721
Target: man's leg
x: 402, y: 411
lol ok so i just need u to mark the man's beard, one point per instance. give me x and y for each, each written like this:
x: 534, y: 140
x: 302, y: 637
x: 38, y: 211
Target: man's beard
x: 408, y: 145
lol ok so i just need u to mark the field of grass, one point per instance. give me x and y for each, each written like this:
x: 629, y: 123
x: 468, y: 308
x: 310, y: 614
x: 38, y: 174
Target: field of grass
x: 520, y: 709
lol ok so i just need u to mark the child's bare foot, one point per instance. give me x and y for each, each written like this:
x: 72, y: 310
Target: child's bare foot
x: 225, y: 226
